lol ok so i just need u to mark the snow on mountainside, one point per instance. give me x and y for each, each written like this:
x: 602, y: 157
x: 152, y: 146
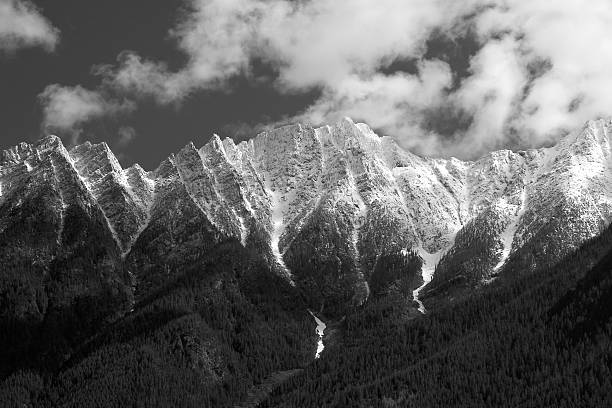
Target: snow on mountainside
x: 326, y: 204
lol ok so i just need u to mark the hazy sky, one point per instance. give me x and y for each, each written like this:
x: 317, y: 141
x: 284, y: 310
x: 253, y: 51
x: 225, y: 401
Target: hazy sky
x: 444, y: 77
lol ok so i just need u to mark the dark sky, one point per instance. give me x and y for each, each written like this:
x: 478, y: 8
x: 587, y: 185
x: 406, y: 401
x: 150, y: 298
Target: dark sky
x: 95, y: 32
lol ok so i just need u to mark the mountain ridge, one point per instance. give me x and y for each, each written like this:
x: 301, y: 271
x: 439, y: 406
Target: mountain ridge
x: 325, y: 205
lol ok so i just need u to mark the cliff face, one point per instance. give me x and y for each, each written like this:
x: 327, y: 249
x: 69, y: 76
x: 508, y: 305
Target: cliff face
x: 324, y: 206
x: 60, y: 261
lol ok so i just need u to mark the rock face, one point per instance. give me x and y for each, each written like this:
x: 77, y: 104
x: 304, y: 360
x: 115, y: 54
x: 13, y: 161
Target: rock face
x: 60, y: 255
x: 323, y: 206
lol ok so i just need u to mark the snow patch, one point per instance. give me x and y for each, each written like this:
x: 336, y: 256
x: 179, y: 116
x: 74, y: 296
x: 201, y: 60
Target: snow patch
x: 507, y: 235
x: 277, y: 209
x: 243, y: 229
x: 430, y: 260
x: 427, y: 271
x: 321, y: 326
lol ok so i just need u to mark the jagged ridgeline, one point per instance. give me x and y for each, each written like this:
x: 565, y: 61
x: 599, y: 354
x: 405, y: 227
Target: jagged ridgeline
x: 323, y: 206
x: 209, y: 256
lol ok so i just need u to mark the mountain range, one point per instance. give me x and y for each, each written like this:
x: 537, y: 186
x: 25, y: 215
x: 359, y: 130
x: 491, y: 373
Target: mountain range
x: 323, y: 205
x: 307, y: 267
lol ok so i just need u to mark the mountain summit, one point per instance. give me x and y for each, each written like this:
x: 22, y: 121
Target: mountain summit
x: 329, y: 208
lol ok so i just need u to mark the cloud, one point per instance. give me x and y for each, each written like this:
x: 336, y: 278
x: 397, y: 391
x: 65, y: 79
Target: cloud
x: 573, y: 37
x: 67, y: 109
x: 219, y: 38
x: 22, y: 25
x: 144, y: 79
x: 311, y: 43
x: 393, y: 102
x: 491, y: 94
x: 126, y: 134
x: 539, y: 69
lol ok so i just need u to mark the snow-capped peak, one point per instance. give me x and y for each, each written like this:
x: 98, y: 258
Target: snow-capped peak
x: 339, y: 196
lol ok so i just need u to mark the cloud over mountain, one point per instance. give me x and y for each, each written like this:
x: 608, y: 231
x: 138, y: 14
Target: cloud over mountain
x: 67, y: 108
x: 523, y: 86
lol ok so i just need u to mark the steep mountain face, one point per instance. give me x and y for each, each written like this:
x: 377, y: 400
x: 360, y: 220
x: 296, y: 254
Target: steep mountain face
x: 323, y: 206
x: 534, y: 206
x: 60, y: 260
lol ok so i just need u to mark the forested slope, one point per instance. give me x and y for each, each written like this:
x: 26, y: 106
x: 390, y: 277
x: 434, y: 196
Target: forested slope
x: 535, y: 339
x: 203, y: 340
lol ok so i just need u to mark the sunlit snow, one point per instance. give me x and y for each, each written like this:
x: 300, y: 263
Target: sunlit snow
x: 321, y: 326
x: 427, y: 271
x: 507, y: 236
x: 277, y: 206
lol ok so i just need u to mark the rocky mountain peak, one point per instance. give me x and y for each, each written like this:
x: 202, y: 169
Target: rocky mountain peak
x: 342, y: 197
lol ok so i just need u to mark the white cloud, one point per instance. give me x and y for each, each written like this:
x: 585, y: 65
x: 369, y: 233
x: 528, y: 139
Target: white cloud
x: 312, y: 43
x: 574, y: 38
x: 126, y: 134
x: 22, y: 25
x: 381, y: 100
x: 68, y: 108
x: 324, y: 42
x: 219, y: 37
x: 341, y: 48
x: 145, y: 79
x: 492, y: 95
